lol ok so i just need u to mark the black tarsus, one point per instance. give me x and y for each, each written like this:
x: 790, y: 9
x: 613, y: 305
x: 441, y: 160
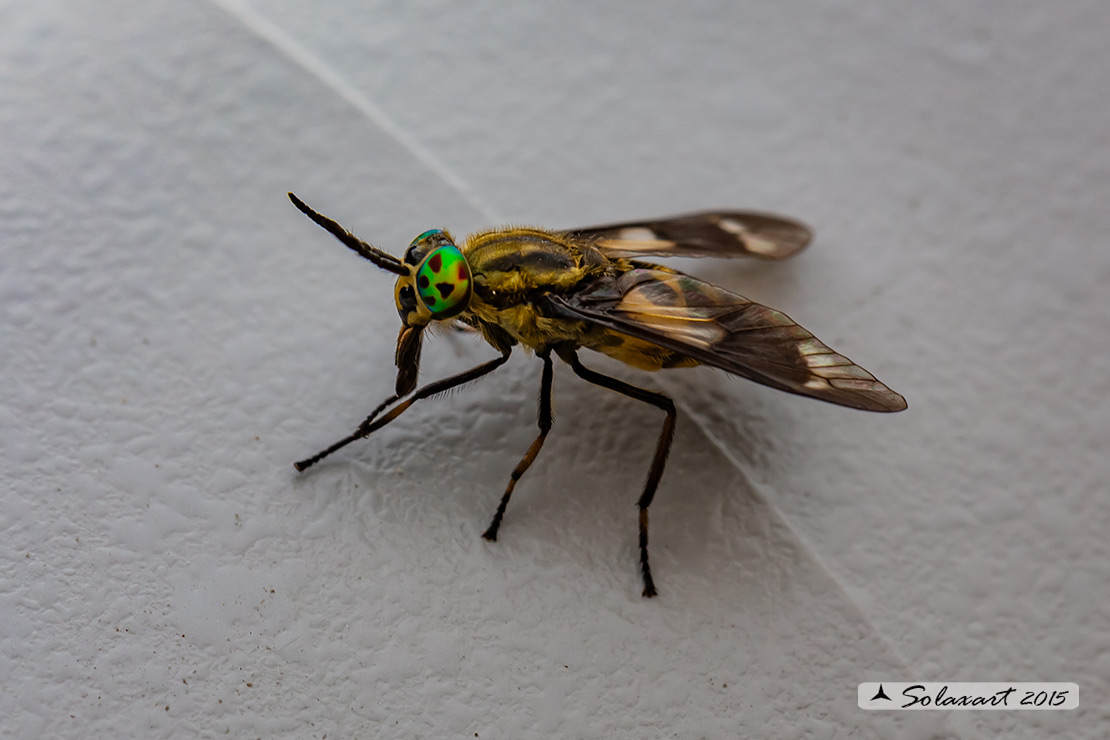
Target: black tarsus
x: 570, y: 355
x: 370, y: 425
x: 545, y: 420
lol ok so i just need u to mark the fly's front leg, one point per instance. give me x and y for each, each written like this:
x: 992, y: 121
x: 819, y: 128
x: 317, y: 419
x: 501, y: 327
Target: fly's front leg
x: 545, y: 421
x: 372, y: 424
x: 662, y: 448
x: 347, y: 440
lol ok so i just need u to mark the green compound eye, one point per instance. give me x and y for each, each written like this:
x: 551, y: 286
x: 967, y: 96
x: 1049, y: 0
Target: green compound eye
x: 443, y: 282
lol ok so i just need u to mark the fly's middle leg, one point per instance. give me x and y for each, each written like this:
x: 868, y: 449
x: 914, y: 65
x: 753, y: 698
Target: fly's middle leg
x: 545, y: 421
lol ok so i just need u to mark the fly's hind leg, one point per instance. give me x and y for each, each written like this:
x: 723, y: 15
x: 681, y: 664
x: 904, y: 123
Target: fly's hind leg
x: 545, y: 421
x: 662, y: 448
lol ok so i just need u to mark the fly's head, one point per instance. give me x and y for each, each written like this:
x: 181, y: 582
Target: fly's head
x: 434, y: 283
x: 439, y: 284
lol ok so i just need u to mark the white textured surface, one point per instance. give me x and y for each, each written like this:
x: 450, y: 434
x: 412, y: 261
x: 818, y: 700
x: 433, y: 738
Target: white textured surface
x: 176, y: 334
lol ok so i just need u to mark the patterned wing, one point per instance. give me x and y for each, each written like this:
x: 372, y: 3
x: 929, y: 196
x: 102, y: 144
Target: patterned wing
x: 706, y: 234
x: 724, y: 330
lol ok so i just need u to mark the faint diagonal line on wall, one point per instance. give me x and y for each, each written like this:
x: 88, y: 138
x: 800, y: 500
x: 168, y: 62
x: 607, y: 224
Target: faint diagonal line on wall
x: 290, y: 48
x: 333, y: 81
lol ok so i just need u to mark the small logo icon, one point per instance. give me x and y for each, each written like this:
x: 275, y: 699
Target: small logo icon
x: 881, y: 694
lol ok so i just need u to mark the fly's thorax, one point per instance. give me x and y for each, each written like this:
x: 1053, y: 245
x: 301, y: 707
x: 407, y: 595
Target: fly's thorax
x: 516, y: 259
x: 513, y: 266
x: 439, y: 284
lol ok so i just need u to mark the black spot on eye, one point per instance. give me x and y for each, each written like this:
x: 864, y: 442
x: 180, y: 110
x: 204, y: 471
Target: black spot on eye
x: 424, y: 282
x: 444, y: 289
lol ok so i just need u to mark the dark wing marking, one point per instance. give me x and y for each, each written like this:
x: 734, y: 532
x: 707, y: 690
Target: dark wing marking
x: 727, y: 331
x: 706, y: 234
